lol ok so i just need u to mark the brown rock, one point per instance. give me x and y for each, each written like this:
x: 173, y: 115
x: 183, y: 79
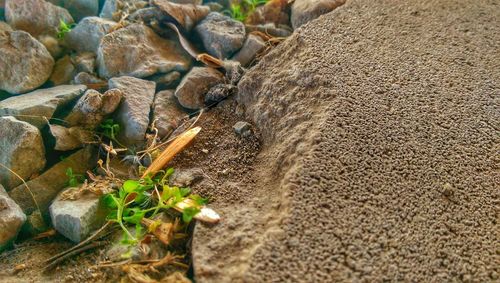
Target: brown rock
x: 193, y: 87
x: 187, y: 15
x: 304, y: 11
x: 167, y: 113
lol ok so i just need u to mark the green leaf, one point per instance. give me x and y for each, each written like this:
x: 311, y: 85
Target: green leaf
x: 188, y: 213
x: 136, y: 215
x: 130, y: 186
x: 199, y: 200
x: 185, y: 191
x: 112, y: 216
x: 110, y: 201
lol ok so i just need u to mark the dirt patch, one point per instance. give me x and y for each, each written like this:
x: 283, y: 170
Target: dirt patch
x: 380, y: 154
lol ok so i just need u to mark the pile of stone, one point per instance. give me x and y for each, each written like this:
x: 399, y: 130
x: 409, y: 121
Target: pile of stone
x: 120, y: 60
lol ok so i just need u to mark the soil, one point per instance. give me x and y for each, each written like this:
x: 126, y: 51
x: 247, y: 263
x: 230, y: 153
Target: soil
x: 380, y: 156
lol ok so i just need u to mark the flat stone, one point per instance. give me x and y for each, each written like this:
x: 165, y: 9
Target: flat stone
x: 11, y: 219
x: 87, y: 34
x: 221, y: 35
x: 195, y: 84
x: 304, y: 11
x: 167, y: 113
x: 70, y: 138
x: 166, y: 81
x: 138, y: 51
x: 93, y: 107
x: 79, y: 9
x: 46, y: 186
x: 64, y: 71
x: 21, y: 150
x: 37, y: 106
x: 35, y: 16
x: 19, y: 76
x: 76, y: 219
x: 133, y: 112
x: 252, y: 46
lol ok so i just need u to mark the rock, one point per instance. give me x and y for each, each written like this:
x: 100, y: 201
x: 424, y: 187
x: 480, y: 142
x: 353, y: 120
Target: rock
x: 38, y: 106
x: 187, y: 15
x: 186, y: 177
x: 11, y: 219
x: 70, y: 138
x: 221, y: 35
x: 139, y: 52
x: 304, y: 11
x: 218, y: 93
x: 133, y: 112
x: 21, y: 150
x: 116, y: 9
x: 87, y: 35
x: 93, y: 107
x: 35, y: 16
x: 46, y: 186
x: 64, y: 71
x: 85, y: 62
x: 34, y: 225
x: 241, y: 128
x: 29, y: 73
x: 76, y: 219
x: 88, y: 79
x: 195, y: 84
x: 79, y: 9
x: 215, y: 7
x: 274, y: 11
x: 271, y: 29
x: 195, y: 2
x: 252, y: 46
x: 166, y: 113
x: 166, y: 81
x: 4, y: 26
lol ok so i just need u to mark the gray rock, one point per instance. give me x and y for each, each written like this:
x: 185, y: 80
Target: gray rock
x: 85, y: 62
x: 186, y: 177
x: 167, y: 113
x: 76, y: 219
x: 193, y: 87
x: 35, y: 16
x: 92, y: 107
x: 79, y: 9
x: 21, y: 150
x: 133, y: 112
x: 221, y: 35
x: 38, y: 106
x: 116, y: 9
x: 70, y: 138
x: 87, y: 35
x: 11, y: 219
x: 218, y: 93
x: 26, y: 63
x: 88, y: 79
x: 241, y: 128
x: 165, y: 81
x: 304, y: 11
x: 46, y: 186
x: 139, y: 52
x: 252, y: 46
x: 64, y: 71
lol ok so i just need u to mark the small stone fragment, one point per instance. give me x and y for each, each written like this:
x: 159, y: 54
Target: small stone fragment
x: 274, y: 11
x: 87, y: 79
x: 252, y: 46
x: 304, y: 11
x: 11, y: 219
x: 165, y: 81
x: 21, y: 150
x: 221, y: 35
x: 133, y: 112
x: 38, y: 106
x: 70, y: 138
x: 52, y: 45
x: 193, y: 87
x: 218, y: 93
x: 64, y: 71
x: 116, y: 9
x: 92, y: 107
x: 85, y: 62
x: 79, y: 9
x: 139, y: 52
x: 35, y: 16
x: 76, y: 219
x: 166, y: 113
x: 242, y: 128
x: 187, y: 15
x: 87, y: 35
x: 25, y: 63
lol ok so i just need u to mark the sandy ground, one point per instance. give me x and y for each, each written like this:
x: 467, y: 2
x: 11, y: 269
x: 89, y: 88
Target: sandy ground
x: 380, y: 157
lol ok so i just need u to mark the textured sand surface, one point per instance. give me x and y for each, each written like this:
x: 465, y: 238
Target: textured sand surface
x: 380, y: 124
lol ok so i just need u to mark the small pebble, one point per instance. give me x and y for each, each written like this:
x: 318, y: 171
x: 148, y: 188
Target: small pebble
x: 241, y: 127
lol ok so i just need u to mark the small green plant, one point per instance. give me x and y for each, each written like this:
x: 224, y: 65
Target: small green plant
x: 145, y: 198
x: 63, y: 29
x: 240, y: 11
x: 110, y: 129
x: 74, y: 179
